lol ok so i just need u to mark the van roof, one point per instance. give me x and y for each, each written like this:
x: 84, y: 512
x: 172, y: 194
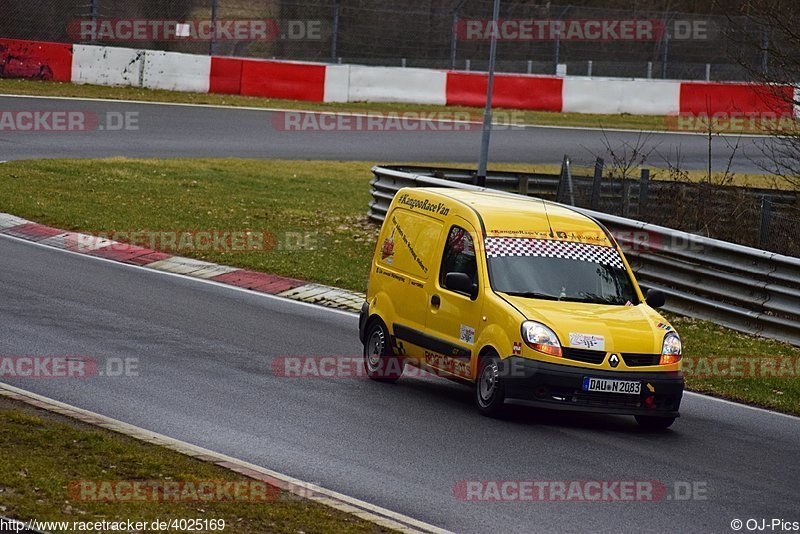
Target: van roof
x: 507, y: 215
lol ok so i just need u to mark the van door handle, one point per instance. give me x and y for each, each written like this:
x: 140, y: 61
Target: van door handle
x: 436, y: 301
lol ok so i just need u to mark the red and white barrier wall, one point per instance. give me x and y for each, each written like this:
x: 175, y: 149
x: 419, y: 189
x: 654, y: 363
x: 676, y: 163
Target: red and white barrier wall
x: 318, y: 82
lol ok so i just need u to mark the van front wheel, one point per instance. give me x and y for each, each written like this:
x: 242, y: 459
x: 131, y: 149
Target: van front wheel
x: 490, y: 394
x: 380, y: 363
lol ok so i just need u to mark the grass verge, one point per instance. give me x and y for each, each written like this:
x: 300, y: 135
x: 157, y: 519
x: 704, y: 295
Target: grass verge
x: 43, y: 454
x: 516, y: 117
x: 323, y: 200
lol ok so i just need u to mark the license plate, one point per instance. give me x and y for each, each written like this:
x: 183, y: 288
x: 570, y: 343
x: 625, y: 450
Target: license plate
x: 604, y: 385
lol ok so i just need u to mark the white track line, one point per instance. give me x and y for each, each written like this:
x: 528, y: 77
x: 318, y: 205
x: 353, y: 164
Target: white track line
x: 183, y: 276
x: 362, y: 509
x: 739, y: 405
x: 356, y: 114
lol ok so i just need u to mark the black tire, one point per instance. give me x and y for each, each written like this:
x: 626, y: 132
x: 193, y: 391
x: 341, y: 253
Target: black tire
x: 490, y: 392
x: 380, y: 363
x: 651, y: 422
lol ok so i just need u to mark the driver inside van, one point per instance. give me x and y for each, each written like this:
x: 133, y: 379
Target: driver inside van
x: 459, y: 256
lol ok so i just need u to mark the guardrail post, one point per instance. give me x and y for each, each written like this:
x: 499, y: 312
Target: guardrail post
x: 597, y: 182
x: 644, y: 190
x: 766, y: 217
x: 565, y: 183
x: 522, y: 187
x: 626, y: 196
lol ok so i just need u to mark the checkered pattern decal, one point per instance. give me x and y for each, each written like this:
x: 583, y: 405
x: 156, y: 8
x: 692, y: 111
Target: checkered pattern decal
x: 498, y: 247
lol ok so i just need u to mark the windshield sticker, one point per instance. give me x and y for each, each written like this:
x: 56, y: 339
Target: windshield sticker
x: 587, y: 341
x: 583, y: 236
x: 500, y: 247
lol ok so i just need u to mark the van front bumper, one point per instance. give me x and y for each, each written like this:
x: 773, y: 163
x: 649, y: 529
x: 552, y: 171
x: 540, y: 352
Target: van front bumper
x: 560, y: 387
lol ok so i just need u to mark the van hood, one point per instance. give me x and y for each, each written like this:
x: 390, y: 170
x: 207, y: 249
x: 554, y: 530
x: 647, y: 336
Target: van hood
x: 598, y: 326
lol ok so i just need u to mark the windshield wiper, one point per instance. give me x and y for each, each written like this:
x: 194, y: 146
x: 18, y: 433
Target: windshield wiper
x: 532, y: 295
x: 599, y: 299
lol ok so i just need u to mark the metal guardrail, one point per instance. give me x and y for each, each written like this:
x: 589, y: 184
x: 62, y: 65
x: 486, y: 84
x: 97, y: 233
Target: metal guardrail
x: 739, y: 287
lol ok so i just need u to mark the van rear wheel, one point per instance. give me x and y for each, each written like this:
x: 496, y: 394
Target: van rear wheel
x: 380, y: 363
x: 490, y: 393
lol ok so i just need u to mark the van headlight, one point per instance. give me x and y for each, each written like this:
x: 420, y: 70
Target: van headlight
x: 539, y: 337
x: 672, y: 349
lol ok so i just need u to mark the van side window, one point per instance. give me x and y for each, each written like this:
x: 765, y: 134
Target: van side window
x: 459, y: 255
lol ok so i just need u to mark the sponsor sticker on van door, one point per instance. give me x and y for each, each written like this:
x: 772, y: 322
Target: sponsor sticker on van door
x: 467, y: 334
x: 587, y: 341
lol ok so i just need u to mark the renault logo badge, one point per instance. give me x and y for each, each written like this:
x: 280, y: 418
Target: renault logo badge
x: 613, y: 360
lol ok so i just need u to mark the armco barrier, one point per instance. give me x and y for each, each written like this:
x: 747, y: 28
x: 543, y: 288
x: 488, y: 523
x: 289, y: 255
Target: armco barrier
x: 280, y: 79
x: 318, y: 82
x: 35, y: 60
x: 387, y: 84
x: 710, y: 98
x: 172, y: 71
x: 746, y: 289
x: 98, y: 65
x: 226, y: 76
x: 636, y: 97
x: 542, y: 93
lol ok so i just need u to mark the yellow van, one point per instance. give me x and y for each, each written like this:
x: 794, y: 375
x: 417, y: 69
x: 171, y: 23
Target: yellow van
x: 527, y: 301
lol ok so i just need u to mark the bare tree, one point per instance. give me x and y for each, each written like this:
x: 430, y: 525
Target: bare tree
x: 769, y: 34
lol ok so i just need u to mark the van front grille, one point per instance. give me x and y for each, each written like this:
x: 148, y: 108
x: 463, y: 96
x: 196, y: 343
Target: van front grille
x: 584, y: 355
x: 640, y: 360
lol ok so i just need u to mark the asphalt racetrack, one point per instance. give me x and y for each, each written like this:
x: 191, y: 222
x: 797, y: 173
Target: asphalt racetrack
x: 205, y: 376
x: 173, y: 131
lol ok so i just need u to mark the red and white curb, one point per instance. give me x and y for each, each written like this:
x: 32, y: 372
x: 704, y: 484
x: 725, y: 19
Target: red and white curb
x: 281, y: 286
x: 363, y: 510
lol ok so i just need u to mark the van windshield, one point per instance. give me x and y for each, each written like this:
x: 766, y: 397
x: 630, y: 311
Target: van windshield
x: 559, y: 270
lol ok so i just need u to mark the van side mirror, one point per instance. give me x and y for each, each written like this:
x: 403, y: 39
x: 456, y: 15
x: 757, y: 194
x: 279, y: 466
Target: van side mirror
x: 655, y: 298
x: 461, y: 283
